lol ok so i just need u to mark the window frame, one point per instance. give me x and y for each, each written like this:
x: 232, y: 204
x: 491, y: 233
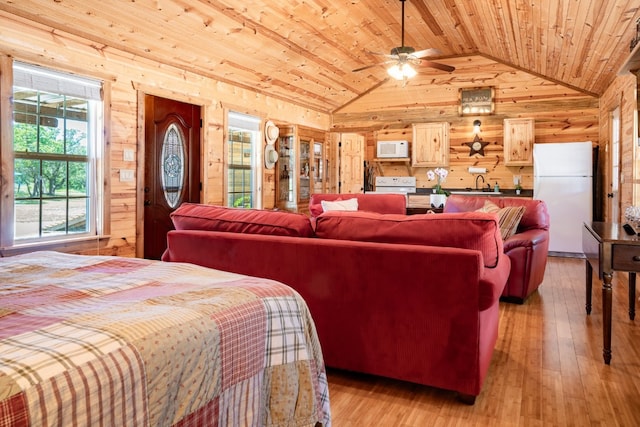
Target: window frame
x: 99, y: 163
x: 255, y: 163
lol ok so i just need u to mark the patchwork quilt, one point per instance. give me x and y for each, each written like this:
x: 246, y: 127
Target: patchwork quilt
x: 100, y: 340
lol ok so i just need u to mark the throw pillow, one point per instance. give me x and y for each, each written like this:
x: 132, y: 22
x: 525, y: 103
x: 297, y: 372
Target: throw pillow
x: 340, y: 205
x: 508, y: 217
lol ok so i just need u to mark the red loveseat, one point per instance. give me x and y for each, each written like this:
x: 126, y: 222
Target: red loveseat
x: 414, y: 298
x: 527, y: 249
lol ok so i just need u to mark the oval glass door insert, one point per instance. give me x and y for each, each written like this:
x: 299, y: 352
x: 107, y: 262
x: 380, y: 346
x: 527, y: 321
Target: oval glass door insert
x: 172, y: 165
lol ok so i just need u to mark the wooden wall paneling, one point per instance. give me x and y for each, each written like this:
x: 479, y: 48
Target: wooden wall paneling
x: 139, y: 146
x: 303, y: 52
x: 334, y: 162
x: 6, y: 151
x: 214, y: 164
x: 269, y: 189
x: 129, y: 75
x: 622, y: 92
x: 561, y: 114
x: 102, y: 170
x: 636, y: 166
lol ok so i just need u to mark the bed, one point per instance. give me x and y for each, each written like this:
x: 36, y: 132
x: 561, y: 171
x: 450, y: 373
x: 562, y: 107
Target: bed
x: 101, y: 340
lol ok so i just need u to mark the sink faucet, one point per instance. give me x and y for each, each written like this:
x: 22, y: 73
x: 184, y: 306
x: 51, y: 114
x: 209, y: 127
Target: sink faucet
x: 479, y: 176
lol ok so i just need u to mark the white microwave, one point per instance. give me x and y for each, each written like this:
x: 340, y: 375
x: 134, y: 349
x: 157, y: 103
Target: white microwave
x: 388, y: 149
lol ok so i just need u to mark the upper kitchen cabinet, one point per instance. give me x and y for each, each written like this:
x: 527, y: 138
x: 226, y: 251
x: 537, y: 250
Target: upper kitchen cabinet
x: 519, y: 136
x: 430, y: 147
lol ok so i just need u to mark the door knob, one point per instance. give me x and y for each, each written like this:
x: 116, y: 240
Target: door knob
x: 610, y: 195
x: 147, y: 202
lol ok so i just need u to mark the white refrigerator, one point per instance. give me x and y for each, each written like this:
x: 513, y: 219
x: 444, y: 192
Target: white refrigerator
x: 563, y: 179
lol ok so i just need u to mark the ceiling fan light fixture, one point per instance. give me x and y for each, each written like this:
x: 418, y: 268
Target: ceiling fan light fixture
x: 406, y: 57
x: 402, y: 71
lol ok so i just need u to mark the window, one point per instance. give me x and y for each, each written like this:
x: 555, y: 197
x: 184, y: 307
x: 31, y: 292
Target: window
x: 57, y: 142
x: 243, y: 167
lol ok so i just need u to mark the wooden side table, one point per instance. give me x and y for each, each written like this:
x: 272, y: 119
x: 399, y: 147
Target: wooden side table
x: 608, y: 248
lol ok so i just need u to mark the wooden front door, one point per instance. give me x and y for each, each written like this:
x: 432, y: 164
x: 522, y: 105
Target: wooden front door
x: 172, y: 166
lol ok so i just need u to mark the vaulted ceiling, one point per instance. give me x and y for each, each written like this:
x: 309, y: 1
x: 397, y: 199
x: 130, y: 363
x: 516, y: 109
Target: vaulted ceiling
x: 304, y: 51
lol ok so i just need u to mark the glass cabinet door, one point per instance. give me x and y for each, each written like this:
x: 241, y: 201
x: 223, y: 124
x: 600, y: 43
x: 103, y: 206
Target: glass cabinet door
x: 318, y: 167
x: 305, y: 170
x: 286, y: 168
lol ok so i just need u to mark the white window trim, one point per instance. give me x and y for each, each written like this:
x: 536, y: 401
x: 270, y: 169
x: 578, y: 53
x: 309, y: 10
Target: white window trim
x: 254, y: 124
x: 102, y: 183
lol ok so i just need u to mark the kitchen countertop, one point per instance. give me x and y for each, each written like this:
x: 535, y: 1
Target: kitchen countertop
x: 471, y: 192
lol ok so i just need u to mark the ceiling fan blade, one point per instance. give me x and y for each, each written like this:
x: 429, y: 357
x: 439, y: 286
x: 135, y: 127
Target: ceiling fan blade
x: 426, y: 52
x: 377, y: 53
x: 386, y: 55
x: 443, y: 67
x: 371, y: 66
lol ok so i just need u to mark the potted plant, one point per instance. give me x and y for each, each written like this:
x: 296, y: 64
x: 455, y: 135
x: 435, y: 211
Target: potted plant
x: 439, y: 196
x: 518, y: 188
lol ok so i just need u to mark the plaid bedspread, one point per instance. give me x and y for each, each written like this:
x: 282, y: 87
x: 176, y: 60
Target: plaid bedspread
x: 99, y: 340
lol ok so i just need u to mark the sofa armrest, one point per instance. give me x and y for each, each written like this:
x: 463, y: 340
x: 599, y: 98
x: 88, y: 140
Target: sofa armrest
x: 526, y: 238
x: 493, y: 281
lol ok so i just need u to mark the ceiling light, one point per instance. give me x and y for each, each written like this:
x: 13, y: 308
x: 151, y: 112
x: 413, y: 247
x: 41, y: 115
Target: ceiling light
x: 401, y: 71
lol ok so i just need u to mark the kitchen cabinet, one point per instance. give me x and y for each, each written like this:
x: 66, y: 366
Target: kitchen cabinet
x: 301, y: 167
x: 430, y: 145
x: 519, y: 136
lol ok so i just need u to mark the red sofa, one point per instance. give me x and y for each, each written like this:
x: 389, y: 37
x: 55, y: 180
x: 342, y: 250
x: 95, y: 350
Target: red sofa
x: 414, y: 298
x: 528, y: 248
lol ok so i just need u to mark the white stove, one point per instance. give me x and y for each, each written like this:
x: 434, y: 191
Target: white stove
x: 395, y: 184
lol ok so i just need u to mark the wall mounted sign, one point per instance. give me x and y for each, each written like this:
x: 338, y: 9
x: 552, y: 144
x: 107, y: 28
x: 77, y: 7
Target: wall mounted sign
x: 476, y: 101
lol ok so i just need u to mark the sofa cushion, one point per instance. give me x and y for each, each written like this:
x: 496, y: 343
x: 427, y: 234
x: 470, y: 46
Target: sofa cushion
x: 508, y: 217
x: 339, y: 205
x: 387, y: 203
x: 470, y: 230
x: 192, y: 216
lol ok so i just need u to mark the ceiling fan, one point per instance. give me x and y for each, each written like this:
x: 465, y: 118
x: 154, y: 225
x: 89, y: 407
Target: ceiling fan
x: 405, y: 58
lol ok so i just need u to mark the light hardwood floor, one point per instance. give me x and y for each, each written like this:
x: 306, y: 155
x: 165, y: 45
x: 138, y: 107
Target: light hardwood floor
x: 547, y: 368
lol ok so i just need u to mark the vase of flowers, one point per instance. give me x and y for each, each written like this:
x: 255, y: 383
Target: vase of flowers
x: 439, y: 196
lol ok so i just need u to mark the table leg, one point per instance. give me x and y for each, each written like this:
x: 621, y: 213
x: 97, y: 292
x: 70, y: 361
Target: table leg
x: 632, y: 295
x: 606, y: 316
x: 589, y: 285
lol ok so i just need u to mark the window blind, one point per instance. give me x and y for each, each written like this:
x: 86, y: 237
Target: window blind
x: 243, y: 121
x: 38, y: 78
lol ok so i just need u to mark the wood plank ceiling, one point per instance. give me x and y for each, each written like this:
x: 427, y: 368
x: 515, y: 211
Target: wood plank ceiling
x: 304, y: 51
